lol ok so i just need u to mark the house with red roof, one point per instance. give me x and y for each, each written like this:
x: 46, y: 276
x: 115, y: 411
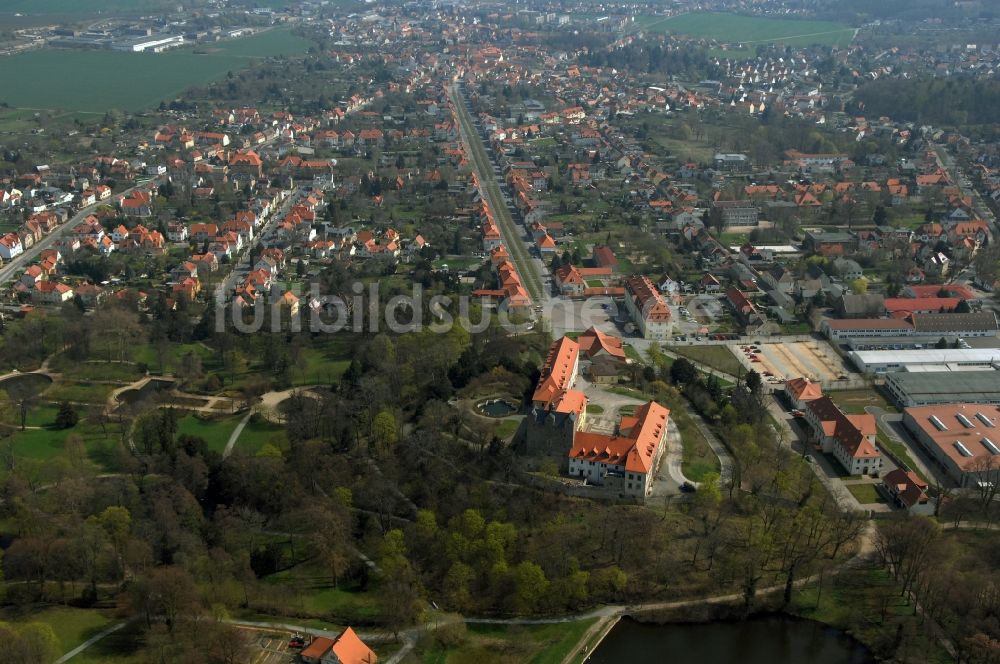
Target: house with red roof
x: 10, y: 246
x: 907, y: 491
x: 849, y: 438
x: 558, y: 411
x: 625, y: 462
x: 51, y: 292
x: 546, y: 245
x: 347, y: 648
x: 800, y: 391
x: 602, y: 356
x: 647, y: 308
x: 603, y: 256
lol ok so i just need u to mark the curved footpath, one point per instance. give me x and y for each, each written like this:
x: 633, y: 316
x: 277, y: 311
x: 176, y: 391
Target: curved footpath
x: 604, y: 614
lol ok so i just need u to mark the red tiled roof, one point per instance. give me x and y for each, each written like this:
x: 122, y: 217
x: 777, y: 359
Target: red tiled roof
x: 635, y: 447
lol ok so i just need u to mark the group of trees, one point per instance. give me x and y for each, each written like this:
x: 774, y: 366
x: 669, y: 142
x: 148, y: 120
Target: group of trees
x: 949, y: 577
x: 969, y: 100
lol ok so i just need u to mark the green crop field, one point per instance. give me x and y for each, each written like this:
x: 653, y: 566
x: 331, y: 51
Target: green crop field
x: 266, y: 44
x: 732, y: 28
x: 83, y: 7
x: 96, y: 81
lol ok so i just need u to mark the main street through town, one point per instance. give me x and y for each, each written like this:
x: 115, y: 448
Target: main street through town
x: 533, y: 272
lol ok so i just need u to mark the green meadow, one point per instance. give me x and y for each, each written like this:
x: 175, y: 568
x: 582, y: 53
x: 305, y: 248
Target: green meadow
x: 95, y: 81
x: 750, y: 29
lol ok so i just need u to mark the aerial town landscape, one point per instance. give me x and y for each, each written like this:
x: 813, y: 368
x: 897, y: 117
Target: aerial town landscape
x: 340, y: 331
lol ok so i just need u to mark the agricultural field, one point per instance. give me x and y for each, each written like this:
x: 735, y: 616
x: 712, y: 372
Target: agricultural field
x: 732, y: 28
x: 92, y: 81
x: 83, y: 7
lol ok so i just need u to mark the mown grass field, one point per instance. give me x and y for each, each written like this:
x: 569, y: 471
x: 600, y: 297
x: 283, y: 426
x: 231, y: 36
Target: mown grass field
x: 750, y: 29
x: 717, y: 357
x: 71, y: 626
x: 95, y: 81
x: 866, y: 494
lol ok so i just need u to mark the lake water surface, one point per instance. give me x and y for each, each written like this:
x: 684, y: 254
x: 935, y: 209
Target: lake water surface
x: 772, y: 639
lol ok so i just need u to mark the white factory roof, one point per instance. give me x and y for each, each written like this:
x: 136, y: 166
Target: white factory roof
x: 927, y: 356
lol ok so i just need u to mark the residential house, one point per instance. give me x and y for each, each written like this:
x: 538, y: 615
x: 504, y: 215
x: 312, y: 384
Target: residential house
x: 346, y: 648
x: 601, y: 355
x: 10, y: 246
x: 907, y: 491
x: 849, y: 438
x: 51, y: 292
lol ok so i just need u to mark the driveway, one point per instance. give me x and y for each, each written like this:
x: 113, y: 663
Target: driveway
x: 670, y: 476
x: 795, y: 438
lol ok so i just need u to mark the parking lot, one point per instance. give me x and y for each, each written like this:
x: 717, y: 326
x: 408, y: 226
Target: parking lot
x: 778, y: 361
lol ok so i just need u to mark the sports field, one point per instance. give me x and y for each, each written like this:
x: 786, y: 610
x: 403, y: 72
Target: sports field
x: 733, y: 28
x: 96, y: 81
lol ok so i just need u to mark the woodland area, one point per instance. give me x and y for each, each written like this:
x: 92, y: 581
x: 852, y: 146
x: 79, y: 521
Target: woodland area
x: 952, y: 102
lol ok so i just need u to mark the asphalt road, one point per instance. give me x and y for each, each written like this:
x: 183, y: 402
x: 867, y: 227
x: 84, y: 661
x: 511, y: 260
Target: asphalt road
x: 241, y: 266
x: 13, y: 268
x: 531, y: 271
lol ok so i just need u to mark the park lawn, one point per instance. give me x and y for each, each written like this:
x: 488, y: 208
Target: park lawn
x: 121, y: 647
x: 95, y: 370
x: 697, y: 457
x: 692, y: 150
x: 798, y: 328
x: 535, y: 644
x: 42, y: 444
x: 146, y: 354
x: 71, y: 626
x: 39, y: 415
x: 215, y: 432
x: 314, y: 595
x: 258, y: 433
x: 865, y: 493
x: 855, y: 401
x: 508, y: 428
x: 324, y: 364
x: 595, y: 408
x: 629, y: 392
x: 79, y: 392
x: 750, y: 29
x: 720, y: 357
x: 48, y: 443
